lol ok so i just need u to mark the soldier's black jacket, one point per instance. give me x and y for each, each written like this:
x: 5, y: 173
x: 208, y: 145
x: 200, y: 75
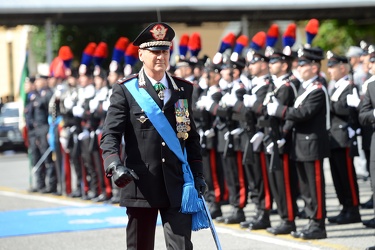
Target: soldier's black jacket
x: 160, y: 173
x: 310, y: 135
x: 366, y: 113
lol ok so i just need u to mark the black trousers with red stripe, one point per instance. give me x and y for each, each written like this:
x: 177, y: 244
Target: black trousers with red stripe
x: 214, y: 176
x: 312, y: 187
x: 235, y: 179
x: 344, y: 177
x: 283, y: 183
x: 257, y: 175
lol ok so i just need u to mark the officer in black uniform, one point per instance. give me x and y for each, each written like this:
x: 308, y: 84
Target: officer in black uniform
x: 256, y: 170
x: 151, y: 175
x: 217, y: 192
x: 282, y: 173
x: 344, y: 124
x: 367, y: 118
x: 39, y: 130
x: 310, y: 115
x: 231, y: 134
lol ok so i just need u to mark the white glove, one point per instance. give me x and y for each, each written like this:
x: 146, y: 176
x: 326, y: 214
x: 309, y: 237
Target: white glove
x: 208, y: 104
x: 78, y: 111
x: 374, y: 112
x: 249, y: 100
x: 209, y: 133
x: 84, y: 135
x: 353, y: 100
x: 68, y: 103
x: 280, y: 143
x: 93, y: 104
x: 272, y: 106
x: 64, y: 144
x: 229, y: 100
x: 105, y: 105
x: 351, y: 132
x: 98, y: 131
x: 205, y: 102
x: 256, y: 140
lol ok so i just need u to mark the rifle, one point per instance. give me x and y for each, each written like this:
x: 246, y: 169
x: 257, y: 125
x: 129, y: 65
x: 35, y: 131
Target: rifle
x: 248, y: 155
x: 353, y: 121
x: 229, y: 142
x: 275, y: 163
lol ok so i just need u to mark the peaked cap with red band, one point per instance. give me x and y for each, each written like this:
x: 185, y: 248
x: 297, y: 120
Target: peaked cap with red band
x: 156, y: 36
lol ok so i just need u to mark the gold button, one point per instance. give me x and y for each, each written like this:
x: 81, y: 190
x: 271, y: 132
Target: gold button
x: 163, y: 144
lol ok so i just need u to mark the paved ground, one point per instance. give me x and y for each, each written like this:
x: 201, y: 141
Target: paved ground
x: 14, y: 182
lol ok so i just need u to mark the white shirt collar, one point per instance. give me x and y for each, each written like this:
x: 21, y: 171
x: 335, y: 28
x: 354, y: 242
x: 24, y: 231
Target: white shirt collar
x: 305, y: 84
x: 164, y: 80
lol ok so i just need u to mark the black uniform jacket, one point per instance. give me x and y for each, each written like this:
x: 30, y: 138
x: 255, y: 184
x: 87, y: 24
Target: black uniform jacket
x: 159, y: 170
x: 310, y: 135
x: 340, y: 118
x: 366, y: 113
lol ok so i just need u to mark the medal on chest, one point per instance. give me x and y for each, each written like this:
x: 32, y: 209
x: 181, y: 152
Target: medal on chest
x: 182, y: 119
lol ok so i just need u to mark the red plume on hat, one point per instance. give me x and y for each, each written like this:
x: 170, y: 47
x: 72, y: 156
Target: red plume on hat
x: 87, y: 56
x: 258, y: 41
x: 118, y: 53
x: 226, y: 43
x: 241, y: 42
x: 289, y: 36
x: 66, y: 54
x: 131, y: 57
x: 311, y: 29
x: 195, y: 44
x: 272, y: 35
x: 60, y: 63
x: 100, y: 53
x: 183, y: 46
x: 88, y: 53
x: 57, y: 68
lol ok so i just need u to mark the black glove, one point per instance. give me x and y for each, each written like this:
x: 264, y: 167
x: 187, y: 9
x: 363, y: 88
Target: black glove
x: 122, y: 175
x: 200, y: 184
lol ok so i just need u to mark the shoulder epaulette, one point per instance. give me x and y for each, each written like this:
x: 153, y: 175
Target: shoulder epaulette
x: 182, y: 79
x: 127, y: 78
x: 318, y: 84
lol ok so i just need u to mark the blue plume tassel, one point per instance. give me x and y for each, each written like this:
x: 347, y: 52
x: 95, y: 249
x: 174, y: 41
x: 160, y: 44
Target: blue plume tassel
x: 200, y: 219
x: 190, y: 200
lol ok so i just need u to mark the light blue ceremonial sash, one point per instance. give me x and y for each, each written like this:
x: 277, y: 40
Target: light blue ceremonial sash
x: 191, y: 203
x: 51, y: 131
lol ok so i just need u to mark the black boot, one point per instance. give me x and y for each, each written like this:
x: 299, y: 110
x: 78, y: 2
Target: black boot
x: 237, y: 217
x: 263, y: 222
x: 352, y: 215
x: 285, y: 227
x: 246, y: 224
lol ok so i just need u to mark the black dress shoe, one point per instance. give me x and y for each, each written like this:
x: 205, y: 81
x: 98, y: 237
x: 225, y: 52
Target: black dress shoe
x: 368, y: 204
x: 349, y: 217
x: 314, y: 233
x: 101, y: 198
x: 333, y: 219
x: 285, y: 227
x: 262, y: 223
x: 237, y: 217
x: 32, y: 190
x: 48, y: 190
x: 246, y: 224
x: 371, y: 248
x: 370, y: 223
x: 113, y: 200
x: 296, y: 234
x: 216, y: 213
x: 75, y: 194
